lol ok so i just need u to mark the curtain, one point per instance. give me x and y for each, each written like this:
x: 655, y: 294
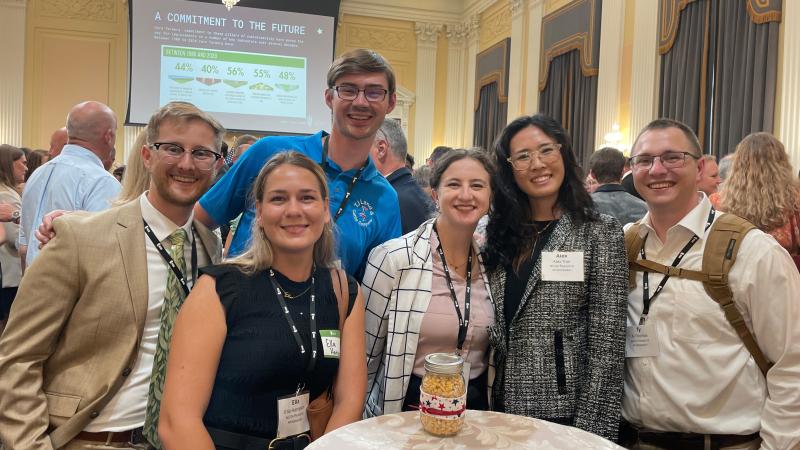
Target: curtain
x: 682, y: 90
x: 720, y: 75
x: 571, y: 98
x: 490, y: 117
x: 745, y: 58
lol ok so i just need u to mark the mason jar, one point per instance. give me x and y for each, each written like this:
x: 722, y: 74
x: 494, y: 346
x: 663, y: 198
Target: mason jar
x: 443, y: 394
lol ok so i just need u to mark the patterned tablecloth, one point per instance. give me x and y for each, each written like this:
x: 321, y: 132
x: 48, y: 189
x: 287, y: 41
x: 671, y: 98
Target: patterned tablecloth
x: 482, y: 430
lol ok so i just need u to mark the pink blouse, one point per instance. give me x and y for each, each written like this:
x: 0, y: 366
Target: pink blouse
x: 439, y: 330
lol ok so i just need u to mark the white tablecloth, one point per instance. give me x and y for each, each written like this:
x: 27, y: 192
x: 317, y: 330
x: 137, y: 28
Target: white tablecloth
x: 482, y: 430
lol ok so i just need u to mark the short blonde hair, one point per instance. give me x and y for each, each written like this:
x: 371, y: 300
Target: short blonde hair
x: 136, y: 179
x: 260, y: 254
x: 183, y: 112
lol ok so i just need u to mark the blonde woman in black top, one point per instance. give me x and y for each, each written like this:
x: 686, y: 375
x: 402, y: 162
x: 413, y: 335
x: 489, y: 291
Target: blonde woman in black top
x: 263, y: 329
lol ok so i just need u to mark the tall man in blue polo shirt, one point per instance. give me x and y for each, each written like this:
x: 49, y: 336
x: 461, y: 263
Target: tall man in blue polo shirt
x: 360, y: 92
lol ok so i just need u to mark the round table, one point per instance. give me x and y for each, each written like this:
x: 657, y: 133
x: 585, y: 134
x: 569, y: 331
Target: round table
x: 482, y: 430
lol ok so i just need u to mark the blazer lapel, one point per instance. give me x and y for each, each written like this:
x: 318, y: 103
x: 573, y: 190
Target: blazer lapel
x: 211, y: 243
x: 130, y: 236
x: 556, y: 241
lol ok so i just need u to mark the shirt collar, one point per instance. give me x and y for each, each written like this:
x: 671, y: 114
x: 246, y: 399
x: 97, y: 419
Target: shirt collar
x: 161, y: 225
x: 694, y: 221
x: 610, y: 187
x: 81, y: 152
x: 398, y: 174
x: 369, y: 172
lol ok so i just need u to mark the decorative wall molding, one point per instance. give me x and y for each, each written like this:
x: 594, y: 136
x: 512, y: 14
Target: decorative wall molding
x: 787, y: 130
x: 516, y: 7
x: 403, y: 12
x: 99, y: 10
x: 402, y: 109
x: 608, y: 78
x: 456, y: 78
x: 644, y: 66
x: 363, y: 36
x: 428, y: 32
x: 495, y: 25
x: 456, y: 33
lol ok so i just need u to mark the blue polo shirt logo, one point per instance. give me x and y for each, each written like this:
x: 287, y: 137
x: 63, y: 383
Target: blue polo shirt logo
x: 363, y: 213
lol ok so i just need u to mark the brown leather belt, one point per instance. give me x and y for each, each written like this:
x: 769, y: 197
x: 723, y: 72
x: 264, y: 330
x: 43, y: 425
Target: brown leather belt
x: 133, y: 436
x: 682, y: 441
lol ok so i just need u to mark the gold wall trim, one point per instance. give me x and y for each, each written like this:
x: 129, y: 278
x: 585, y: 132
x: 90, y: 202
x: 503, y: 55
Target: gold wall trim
x: 670, y: 21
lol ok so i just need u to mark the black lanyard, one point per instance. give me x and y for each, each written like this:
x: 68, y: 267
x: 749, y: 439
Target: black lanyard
x: 353, y: 182
x: 646, y: 279
x: 312, y: 316
x: 168, y: 259
x: 463, y: 321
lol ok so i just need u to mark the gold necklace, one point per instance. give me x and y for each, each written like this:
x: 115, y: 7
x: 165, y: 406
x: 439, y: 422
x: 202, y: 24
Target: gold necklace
x: 288, y: 295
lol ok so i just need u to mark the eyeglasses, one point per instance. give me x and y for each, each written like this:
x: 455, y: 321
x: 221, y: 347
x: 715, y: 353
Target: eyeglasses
x: 547, y: 153
x: 670, y: 160
x: 372, y: 94
x: 203, y: 158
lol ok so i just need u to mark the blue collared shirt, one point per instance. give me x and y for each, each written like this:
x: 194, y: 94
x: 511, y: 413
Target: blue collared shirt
x: 370, y: 218
x: 74, y: 180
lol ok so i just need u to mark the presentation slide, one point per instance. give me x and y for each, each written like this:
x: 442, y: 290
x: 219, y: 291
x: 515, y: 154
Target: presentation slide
x: 254, y: 69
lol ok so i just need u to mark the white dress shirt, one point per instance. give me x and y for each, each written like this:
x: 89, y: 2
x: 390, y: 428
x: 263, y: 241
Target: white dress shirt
x: 126, y: 410
x: 704, y: 379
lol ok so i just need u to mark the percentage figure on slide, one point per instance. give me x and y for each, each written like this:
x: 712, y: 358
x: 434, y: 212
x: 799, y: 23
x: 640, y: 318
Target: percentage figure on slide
x: 261, y: 73
x: 235, y: 71
x: 286, y: 76
x: 186, y: 67
x: 209, y: 68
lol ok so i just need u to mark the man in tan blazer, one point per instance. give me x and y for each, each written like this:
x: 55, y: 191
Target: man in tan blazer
x: 77, y: 355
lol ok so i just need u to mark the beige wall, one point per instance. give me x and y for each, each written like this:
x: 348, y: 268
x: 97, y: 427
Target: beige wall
x: 394, y: 39
x: 75, y: 51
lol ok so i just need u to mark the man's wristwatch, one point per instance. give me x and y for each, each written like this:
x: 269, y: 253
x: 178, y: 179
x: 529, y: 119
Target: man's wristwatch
x: 15, y: 217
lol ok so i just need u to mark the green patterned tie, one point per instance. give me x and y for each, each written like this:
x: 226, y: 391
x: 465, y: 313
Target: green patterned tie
x: 173, y: 299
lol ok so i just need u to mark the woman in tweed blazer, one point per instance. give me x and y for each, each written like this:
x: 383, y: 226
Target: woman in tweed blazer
x: 408, y: 304
x: 559, y: 345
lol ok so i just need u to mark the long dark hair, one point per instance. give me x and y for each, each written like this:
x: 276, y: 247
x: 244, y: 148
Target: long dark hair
x: 509, y: 233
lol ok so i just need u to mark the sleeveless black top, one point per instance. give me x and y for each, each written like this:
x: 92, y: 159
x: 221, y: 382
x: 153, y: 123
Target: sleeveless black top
x: 260, y: 360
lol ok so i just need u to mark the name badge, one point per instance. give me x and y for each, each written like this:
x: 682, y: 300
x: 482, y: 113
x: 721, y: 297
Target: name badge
x: 562, y: 266
x: 292, y: 415
x: 331, y: 343
x: 641, y: 341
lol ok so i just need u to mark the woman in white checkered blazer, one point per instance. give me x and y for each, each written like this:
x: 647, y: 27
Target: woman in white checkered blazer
x: 410, y: 302
x: 559, y: 275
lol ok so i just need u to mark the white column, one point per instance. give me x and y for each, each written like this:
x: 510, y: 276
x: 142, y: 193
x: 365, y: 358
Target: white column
x: 12, y: 55
x: 644, y: 66
x: 517, y: 60
x: 788, y: 130
x: 473, y: 41
x: 427, y: 37
x: 611, y: 29
x: 534, y: 50
x: 456, y: 90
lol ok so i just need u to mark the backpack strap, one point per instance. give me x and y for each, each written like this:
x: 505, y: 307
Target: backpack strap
x: 720, y: 252
x: 633, y: 244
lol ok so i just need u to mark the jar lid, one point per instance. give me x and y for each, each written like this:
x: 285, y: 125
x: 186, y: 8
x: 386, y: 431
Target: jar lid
x: 444, y: 363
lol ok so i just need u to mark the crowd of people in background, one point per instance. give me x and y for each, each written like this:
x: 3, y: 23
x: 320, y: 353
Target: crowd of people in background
x: 651, y: 300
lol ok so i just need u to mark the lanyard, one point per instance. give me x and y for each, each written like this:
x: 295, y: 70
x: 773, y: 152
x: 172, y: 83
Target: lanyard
x: 463, y: 321
x: 168, y: 259
x: 646, y: 279
x: 353, y: 182
x: 312, y: 315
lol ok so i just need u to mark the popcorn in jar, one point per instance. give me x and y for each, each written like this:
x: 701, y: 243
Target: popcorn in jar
x: 443, y: 395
